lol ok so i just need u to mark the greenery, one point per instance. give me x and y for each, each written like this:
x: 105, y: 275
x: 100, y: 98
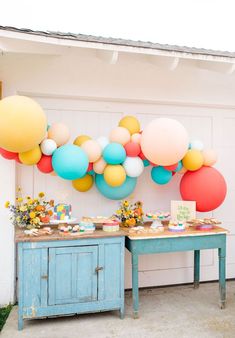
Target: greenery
x: 4, y: 313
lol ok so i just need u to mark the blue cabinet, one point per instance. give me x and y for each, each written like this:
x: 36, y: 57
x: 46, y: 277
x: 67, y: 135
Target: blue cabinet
x: 70, y: 276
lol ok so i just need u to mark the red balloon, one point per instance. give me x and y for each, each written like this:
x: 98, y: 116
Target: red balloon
x: 90, y: 167
x: 9, y: 155
x: 132, y: 149
x: 206, y: 186
x: 171, y: 167
x: 45, y: 164
x: 141, y: 155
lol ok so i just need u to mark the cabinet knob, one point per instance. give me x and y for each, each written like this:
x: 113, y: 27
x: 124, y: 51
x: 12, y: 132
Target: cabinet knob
x: 44, y: 277
x: 99, y: 268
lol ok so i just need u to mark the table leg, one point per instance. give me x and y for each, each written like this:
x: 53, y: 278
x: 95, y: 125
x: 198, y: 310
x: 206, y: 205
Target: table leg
x: 222, y: 278
x: 135, y: 286
x: 196, y: 268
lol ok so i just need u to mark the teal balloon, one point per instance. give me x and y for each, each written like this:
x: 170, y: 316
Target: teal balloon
x: 146, y: 163
x: 115, y: 193
x: 179, y: 167
x: 114, y: 153
x: 160, y: 175
x: 91, y: 172
x: 70, y: 162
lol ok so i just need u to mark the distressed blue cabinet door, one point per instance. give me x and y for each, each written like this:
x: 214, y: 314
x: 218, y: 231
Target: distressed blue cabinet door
x: 72, y: 274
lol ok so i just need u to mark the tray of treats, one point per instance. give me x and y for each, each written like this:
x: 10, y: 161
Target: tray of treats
x: 98, y: 220
x: 203, y: 224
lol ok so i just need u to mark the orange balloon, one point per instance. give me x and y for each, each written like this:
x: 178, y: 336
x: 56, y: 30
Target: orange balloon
x: 59, y: 132
x: 120, y: 135
x: 99, y: 166
x: 210, y: 157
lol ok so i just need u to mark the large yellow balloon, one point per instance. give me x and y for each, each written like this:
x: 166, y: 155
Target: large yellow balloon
x: 114, y: 175
x: 23, y: 123
x: 131, y: 123
x: 193, y: 160
x: 31, y: 157
x: 81, y: 139
x: 83, y: 184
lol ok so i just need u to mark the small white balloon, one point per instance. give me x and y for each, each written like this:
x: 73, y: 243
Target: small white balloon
x: 133, y: 166
x: 197, y: 144
x: 48, y: 147
x: 103, y: 141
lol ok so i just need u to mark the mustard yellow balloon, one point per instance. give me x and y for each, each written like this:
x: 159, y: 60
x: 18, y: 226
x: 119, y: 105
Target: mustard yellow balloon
x: 131, y: 123
x: 193, y: 160
x: 23, y: 123
x: 31, y: 157
x: 83, y: 184
x: 114, y: 175
x: 81, y: 139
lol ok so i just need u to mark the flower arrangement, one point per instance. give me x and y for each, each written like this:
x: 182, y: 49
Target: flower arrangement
x: 29, y: 212
x: 130, y: 214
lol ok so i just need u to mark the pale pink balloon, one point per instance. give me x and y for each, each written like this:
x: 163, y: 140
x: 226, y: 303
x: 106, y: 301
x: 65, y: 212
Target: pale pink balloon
x: 59, y: 132
x: 136, y: 138
x: 92, y: 149
x: 210, y: 157
x: 99, y: 166
x: 120, y: 135
x: 164, y: 141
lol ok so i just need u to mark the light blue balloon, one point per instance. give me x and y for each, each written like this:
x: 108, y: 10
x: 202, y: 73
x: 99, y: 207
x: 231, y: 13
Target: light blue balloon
x: 115, y: 193
x: 179, y: 166
x: 160, y: 175
x: 114, y: 153
x: 70, y: 162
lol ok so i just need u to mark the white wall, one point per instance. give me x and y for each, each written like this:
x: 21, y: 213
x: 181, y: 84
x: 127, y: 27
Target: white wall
x: 90, y: 96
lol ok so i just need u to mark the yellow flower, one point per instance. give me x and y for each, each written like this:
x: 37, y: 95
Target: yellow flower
x: 30, y: 201
x: 41, y: 195
x: 18, y: 218
x: 35, y: 200
x: 118, y: 212
x: 28, y: 197
x: 36, y: 220
x: 32, y: 214
x: 23, y: 208
x: 7, y: 204
x: 19, y: 199
x: 126, y: 203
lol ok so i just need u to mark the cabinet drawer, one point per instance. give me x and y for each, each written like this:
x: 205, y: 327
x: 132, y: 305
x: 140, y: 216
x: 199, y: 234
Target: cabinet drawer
x: 72, y: 274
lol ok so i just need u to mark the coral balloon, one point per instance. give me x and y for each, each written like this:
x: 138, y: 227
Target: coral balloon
x: 45, y: 164
x: 83, y: 184
x: 103, y: 141
x: 120, y: 135
x: 136, y: 138
x: 59, y: 132
x: 8, y: 155
x: 193, y: 160
x: 48, y: 147
x: 206, y: 186
x: 31, y: 157
x: 81, y: 139
x: 132, y: 149
x: 160, y: 175
x: 131, y: 123
x: 171, y: 167
x: 210, y: 157
x: 196, y: 144
x: 114, y: 153
x: 133, y: 166
x: 99, y: 166
x: 70, y: 162
x: 22, y: 124
x: 164, y: 141
x: 115, y: 193
x: 92, y: 149
x: 114, y: 175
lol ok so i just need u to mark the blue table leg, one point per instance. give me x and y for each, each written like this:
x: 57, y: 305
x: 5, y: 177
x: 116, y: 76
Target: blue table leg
x: 196, y: 268
x: 222, y: 276
x: 135, y: 286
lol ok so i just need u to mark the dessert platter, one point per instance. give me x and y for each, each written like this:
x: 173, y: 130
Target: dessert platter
x: 204, y: 224
x: 176, y: 226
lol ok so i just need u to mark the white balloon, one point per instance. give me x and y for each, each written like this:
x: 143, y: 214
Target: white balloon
x: 197, y: 144
x: 48, y: 147
x: 133, y: 166
x: 103, y: 141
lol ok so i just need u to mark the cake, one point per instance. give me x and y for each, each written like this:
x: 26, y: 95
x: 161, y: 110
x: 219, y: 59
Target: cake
x: 87, y: 226
x: 62, y: 212
x: 176, y: 226
x: 111, y: 226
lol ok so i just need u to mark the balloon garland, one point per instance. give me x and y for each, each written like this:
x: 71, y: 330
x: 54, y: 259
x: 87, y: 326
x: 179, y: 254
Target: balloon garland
x: 113, y: 163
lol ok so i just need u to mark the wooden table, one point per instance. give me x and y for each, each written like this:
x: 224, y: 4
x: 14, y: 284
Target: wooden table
x: 167, y: 241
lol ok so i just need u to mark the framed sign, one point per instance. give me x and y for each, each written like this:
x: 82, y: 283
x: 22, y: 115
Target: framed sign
x: 182, y: 211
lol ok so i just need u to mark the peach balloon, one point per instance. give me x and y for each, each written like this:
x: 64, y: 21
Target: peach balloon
x: 59, y: 132
x: 210, y: 157
x: 120, y: 135
x: 92, y: 149
x: 136, y: 138
x: 99, y: 166
x: 164, y: 141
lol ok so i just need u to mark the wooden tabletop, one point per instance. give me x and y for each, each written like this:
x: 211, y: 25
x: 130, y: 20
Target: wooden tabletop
x: 59, y: 236
x: 189, y: 231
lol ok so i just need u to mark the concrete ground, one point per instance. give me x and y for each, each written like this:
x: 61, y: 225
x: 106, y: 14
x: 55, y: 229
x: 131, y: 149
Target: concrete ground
x: 166, y: 312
